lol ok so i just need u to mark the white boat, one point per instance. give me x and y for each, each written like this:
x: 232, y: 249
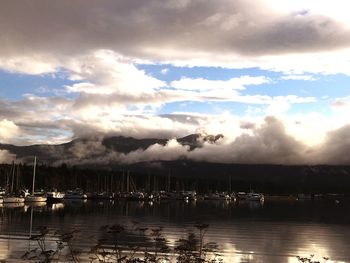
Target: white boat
x: 12, y: 199
x: 35, y: 197
x: 13, y: 204
x: 137, y: 196
x: 75, y: 194
x: 8, y: 197
x: 241, y: 196
x: 217, y: 196
x: 255, y: 197
x: 55, y: 196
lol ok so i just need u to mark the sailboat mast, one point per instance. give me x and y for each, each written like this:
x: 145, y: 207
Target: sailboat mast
x: 34, y: 175
x: 168, y: 182
x: 13, y: 175
x: 128, y: 182
x: 17, y: 178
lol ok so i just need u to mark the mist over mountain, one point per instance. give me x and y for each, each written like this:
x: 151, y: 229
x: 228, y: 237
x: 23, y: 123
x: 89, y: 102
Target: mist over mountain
x: 182, y: 159
x: 269, y: 143
x: 105, y: 150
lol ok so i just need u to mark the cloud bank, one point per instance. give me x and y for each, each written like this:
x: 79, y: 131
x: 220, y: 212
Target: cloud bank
x: 268, y: 143
x: 38, y: 37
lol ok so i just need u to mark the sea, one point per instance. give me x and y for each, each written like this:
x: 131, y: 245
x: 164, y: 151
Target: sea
x: 232, y: 232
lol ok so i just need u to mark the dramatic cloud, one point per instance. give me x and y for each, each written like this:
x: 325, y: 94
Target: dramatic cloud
x: 171, y: 151
x: 38, y: 37
x: 335, y: 149
x: 34, y: 119
x: 8, y: 130
x: 128, y: 67
x: 88, y: 149
x: 217, y: 85
x: 268, y: 143
x: 109, y: 73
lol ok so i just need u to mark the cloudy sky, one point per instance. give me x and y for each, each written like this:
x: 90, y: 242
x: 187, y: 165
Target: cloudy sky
x: 154, y: 68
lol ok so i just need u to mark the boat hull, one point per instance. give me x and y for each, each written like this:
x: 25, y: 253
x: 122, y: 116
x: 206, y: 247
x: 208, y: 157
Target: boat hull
x: 55, y: 196
x: 12, y: 199
x: 75, y: 197
x: 35, y: 199
x: 255, y: 197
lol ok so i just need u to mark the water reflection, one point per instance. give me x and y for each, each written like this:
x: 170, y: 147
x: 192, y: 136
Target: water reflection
x: 245, y: 231
x: 12, y: 205
x: 55, y: 206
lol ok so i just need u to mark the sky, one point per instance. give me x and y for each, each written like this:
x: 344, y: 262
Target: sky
x: 273, y: 74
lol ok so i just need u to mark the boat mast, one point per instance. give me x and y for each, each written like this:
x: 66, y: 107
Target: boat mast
x: 168, y: 182
x: 13, y: 176
x: 128, y: 182
x: 34, y: 175
x: 17, y: 178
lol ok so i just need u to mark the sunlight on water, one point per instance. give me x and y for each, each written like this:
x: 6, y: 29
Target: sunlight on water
x: 244, y: 233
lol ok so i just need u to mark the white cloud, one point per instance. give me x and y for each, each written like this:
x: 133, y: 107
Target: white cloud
x: 341, y: 105
x: 164, y: 71
x: 104, y: 72
x: 8, y: 130
x: 171, y: 151
x: 277, y: 107
x: 268, y: 143
x: 28, y: 64
x: 275, y: 35
x: 299, y: 77
x: 201, y: 84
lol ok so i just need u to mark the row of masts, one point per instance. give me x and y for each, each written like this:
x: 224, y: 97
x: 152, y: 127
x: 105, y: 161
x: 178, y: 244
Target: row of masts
x: 126, y: 183
x: 10, y: 197
x: 34, y: 172
x: 14, y: 177
x: 109, y: 183
x: 13, y: 182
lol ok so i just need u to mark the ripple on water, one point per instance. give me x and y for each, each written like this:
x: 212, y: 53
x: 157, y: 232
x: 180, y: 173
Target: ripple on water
x: 276, y: 233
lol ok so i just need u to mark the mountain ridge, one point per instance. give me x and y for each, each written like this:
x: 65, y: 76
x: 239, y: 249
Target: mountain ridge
x: 95, y: 156
x: 50, y: 153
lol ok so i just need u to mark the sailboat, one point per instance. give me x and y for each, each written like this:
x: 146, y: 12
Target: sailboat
x: 13, y: 199
x: 252, y: 196
x: 35, y: 197
x: 10, y: 197
x: 55, y: 196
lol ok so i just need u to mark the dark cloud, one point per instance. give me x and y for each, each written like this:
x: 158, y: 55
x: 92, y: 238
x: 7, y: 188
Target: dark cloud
x: 293, y: 34
x: 158, y: 29
x: 247, y: 125
x: 266, y: 144
x: 335, y: 149
x: 184, y: 118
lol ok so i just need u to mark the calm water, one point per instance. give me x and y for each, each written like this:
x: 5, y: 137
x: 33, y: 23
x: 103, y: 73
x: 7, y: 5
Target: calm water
x: 245, y: 232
